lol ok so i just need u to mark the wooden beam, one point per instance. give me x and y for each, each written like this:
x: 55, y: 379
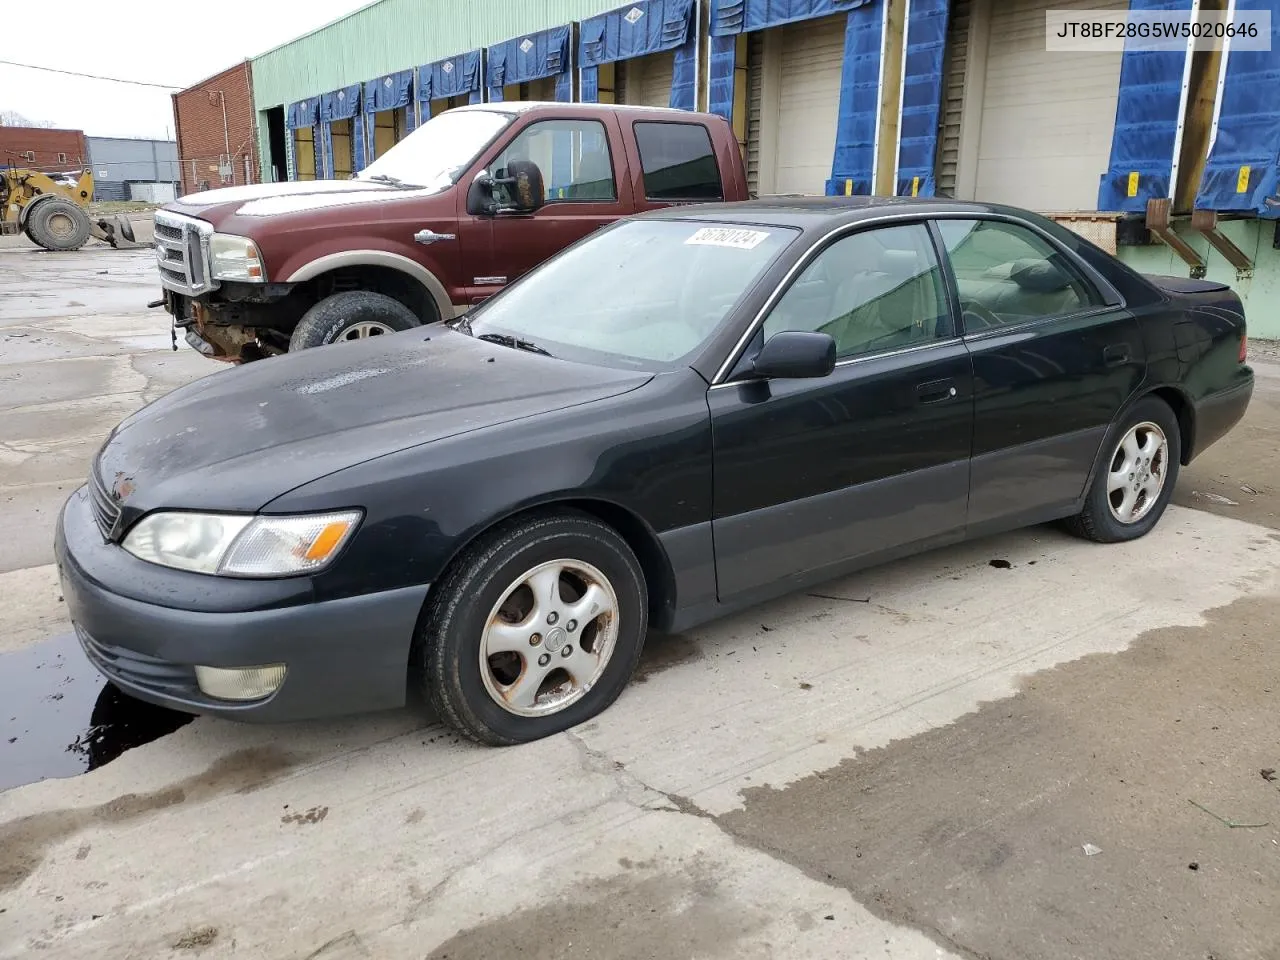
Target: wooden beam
x: 889, y: 116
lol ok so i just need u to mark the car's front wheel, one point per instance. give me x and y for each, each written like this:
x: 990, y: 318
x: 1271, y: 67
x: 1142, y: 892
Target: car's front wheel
x: 535, y: 629
x: 1134, y: 481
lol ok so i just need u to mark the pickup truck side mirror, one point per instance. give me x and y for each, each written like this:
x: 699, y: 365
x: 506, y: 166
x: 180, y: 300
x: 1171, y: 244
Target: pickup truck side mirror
x: 480, y: 199
x: 522, y: 190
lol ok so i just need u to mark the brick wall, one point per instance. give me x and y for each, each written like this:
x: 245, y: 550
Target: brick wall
x: 202, y: 143
x: 49, y: 147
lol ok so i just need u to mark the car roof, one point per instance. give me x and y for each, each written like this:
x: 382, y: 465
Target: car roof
x: 806, y: 212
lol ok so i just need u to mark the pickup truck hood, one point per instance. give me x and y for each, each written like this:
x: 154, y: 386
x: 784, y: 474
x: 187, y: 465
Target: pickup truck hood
x: 281, y: 199
x: 243, y: 436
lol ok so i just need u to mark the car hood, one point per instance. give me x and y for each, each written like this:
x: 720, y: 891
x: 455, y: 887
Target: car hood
x: 293, y: 197
x: 245, y: 435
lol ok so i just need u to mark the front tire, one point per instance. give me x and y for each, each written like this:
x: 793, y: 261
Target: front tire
x: 1134, y: 480
x: 536, y: 629
x: 58, y: 224
x: 352, y: 315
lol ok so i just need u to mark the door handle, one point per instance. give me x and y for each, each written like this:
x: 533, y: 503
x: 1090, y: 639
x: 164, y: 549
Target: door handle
x: 1116, y: 355
x: 936, y: 391
x: 430, y: 236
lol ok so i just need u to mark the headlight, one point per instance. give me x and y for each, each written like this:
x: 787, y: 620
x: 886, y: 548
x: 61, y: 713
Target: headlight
x: 240, y: 546
x: 235, y: 258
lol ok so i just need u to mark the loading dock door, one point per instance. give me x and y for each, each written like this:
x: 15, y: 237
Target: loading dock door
x: 809, y: 103
x: 648, y: 81
x: 1047, y: 118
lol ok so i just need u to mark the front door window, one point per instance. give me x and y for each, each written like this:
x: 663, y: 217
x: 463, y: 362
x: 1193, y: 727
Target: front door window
x: 573, y: 157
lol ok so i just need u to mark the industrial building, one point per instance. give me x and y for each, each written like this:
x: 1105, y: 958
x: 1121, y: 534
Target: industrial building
x: 217, y: 134
x: 47, y: 149
x: 906, y: 97
x: 129, y: 169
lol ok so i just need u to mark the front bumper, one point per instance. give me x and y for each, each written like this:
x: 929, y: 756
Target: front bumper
x: 342, y: 656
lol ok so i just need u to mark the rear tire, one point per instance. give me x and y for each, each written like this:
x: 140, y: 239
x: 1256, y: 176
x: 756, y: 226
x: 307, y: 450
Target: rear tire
x: 353, y: 315
x: 1135, y: 476
x: 58, y: 224
x: 504, y: 666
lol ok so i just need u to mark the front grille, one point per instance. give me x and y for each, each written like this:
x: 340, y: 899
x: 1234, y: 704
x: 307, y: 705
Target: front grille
x: 182, y: 245
x: 137, y: 669
x: 106, y: 511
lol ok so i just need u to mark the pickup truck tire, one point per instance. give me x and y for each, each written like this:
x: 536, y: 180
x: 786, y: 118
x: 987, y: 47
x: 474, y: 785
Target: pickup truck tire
x: 58, y: 224
x: 352, y: 315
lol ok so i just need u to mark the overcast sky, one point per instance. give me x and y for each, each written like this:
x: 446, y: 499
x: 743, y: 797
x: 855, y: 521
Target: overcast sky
x: 144, y: 40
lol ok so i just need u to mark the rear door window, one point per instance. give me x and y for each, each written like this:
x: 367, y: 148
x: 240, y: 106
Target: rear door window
x: 678, y: 161
x: 1008, y: 275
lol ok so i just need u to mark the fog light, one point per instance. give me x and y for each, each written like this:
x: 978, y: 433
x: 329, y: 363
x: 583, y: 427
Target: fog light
x: 244, y: 683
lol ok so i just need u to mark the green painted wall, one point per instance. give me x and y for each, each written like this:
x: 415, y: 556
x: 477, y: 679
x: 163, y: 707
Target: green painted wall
x: 1261, y: 293
x: 395, y: 35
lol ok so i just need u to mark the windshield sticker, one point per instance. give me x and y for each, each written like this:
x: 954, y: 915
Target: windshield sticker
x: 726, y: 237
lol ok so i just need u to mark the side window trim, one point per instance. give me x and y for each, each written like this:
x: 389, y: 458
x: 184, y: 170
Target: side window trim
x: 743, y: 344
x: 711, y: 154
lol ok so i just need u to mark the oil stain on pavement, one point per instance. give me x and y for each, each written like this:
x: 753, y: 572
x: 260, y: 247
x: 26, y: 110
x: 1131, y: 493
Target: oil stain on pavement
x: 59, y: 717
x: 1079, y: 818
x: 677, y: 910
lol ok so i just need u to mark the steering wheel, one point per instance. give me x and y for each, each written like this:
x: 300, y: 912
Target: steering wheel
x: 977, y: 316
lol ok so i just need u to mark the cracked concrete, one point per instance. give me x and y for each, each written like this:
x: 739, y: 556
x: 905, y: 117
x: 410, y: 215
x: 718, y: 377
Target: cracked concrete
x: 68, y: 374
x: 908, y: 778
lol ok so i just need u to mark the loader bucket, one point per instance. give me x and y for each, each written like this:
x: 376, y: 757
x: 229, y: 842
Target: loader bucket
x: 117, y: 231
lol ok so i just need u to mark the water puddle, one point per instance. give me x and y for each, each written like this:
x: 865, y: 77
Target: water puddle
x: 60, y: 718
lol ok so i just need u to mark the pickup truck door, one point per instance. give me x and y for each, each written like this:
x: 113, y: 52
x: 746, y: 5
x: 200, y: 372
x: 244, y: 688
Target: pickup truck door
x: 583, y: 166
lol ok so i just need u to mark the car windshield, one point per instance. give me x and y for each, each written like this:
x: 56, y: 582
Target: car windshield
x: 645, y: 294
x: 439, y: 151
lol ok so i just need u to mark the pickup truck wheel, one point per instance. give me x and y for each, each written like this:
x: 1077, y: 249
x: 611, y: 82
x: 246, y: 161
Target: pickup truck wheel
x: 536, y: 628
x: 59, y: 224
x: 353, y: 315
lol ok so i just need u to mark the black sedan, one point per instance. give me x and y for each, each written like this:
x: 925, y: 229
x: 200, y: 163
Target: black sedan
x: 684, y: 414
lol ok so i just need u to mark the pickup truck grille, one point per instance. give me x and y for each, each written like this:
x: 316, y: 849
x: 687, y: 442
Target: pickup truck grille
x: 182, y: 253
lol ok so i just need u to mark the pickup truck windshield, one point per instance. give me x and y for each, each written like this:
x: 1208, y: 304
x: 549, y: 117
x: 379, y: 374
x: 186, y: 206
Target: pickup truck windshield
x: 645, y: 294
x: 438, y: 152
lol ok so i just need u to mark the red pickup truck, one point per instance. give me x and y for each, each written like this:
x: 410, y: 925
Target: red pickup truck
x: 467, y: 203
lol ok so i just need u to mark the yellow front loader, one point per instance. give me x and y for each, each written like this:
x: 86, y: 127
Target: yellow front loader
x: 53, y: 214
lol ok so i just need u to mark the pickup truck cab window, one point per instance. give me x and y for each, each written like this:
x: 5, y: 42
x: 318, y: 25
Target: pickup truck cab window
x: 678, y: 161
x: 573, y: 156
x: 1007, y: 274
x: 872, y: 291
x: 440, y: 150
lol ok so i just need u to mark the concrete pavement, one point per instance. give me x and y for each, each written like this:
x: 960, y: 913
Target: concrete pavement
x: 905, y: 764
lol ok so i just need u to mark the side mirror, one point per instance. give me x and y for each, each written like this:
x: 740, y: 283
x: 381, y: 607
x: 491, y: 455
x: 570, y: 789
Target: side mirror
x: 796, y: 355
x: 524, y: 186
x: 480, y: 202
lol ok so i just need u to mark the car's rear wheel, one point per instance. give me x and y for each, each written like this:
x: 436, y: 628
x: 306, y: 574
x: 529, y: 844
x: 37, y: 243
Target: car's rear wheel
x: 535, y: 629
x: 351, y: 315
x: 1134, y: 481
